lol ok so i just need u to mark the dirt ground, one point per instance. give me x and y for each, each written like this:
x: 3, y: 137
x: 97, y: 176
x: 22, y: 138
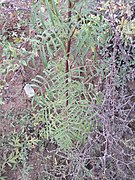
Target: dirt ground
x: 15, y: 100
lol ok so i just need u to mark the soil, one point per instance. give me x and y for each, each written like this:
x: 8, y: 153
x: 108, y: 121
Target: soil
x: 15, y: 100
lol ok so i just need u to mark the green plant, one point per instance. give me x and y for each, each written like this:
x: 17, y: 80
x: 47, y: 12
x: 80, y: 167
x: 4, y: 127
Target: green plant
x: 66, y: 89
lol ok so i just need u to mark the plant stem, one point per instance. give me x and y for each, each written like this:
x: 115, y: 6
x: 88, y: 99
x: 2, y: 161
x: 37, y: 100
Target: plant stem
x: 68, y: 48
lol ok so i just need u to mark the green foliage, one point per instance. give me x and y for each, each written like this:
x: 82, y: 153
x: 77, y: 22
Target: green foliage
x: 64, y: 124
x: 67, y: 126
x: 51, y: 118
x: 16, y: 147
x: 70, y: 124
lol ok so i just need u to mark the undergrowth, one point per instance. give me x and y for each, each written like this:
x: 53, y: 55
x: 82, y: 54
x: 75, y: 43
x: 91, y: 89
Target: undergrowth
x: 83, y: 109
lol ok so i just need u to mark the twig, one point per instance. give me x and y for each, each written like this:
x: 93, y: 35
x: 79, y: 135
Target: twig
x: 68, y: 49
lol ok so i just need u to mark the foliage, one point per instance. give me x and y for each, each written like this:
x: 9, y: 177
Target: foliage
x: 82, y: 108
x: 65, y: 124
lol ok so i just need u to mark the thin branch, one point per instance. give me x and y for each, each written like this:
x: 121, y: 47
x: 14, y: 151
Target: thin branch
x: 68, y: 48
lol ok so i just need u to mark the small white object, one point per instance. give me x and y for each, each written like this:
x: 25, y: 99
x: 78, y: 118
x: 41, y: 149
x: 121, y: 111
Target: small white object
x: 29, y: 90
x: 42, y: 9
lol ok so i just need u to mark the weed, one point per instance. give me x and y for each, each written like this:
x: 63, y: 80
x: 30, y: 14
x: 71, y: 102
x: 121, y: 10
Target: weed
x: 77, y: 124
